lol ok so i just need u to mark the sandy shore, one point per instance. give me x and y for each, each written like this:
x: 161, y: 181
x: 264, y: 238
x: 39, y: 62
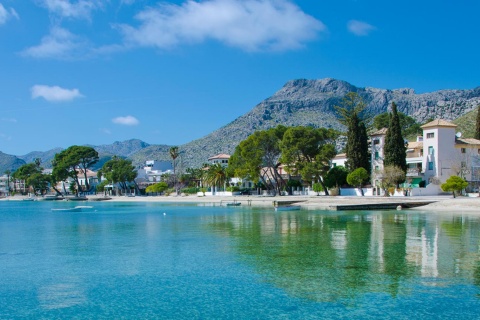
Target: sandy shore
x: 439, y: 203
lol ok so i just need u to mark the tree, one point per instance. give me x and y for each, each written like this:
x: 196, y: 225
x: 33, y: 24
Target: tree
x: 73, y: 161
x: 336, y: 177
x: 39, y: 182
x: 216, y: 176
x: 25, y: 172
x: 357, y: 138
x: 391, y: 177
x: 118, y: 170
x: 357, y: 178
x: 454, y: 183
x: 395, y: 149
x: 307, y: 151
x: 174, y: 154
x: 477, y: 127
x: 8, y: 173
x: 157, y: 187
x: 408, y: 124
x: 257, y: 159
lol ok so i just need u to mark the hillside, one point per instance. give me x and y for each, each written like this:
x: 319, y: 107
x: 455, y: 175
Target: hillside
x: 311, y: 102
x: 298, y: 102
x: 466, y: 123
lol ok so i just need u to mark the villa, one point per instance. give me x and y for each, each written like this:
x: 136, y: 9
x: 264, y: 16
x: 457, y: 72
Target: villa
x: 435, y: 156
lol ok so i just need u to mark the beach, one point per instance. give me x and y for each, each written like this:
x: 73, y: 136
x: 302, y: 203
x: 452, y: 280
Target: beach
x: 459, y: 204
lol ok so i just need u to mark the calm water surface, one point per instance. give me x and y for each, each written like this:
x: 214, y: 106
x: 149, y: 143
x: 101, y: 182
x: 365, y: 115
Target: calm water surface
x: 163, y: 261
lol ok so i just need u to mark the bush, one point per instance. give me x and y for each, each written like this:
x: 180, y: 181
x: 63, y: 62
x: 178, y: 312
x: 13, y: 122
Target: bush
x: 191, y: 190
x: 233, y: 189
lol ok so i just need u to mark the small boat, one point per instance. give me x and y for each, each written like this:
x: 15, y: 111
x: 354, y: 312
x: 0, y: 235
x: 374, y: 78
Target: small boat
x: 232, y: 204
x: 74, y: 209
x: 287, y: 208
x: 79, y: 198
x: 29, y: 199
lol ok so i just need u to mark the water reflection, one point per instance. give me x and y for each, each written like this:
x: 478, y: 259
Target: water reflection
x: 325, y: 256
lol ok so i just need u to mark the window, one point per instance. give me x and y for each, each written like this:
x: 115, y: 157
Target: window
x: 376, y: 155
x: 430, y: 135
x: 430, y: 150
x: 334, y: 164
x: 430, y: 166
x: 376, y: 141
x: 463, y: 150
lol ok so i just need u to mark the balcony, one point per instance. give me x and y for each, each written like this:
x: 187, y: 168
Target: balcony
x: 414, y: 172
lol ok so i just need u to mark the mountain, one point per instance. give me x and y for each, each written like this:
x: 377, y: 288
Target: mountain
x: 466, y: 123
x: 298, y: 102
x: 9, y: 162
x: 312, y: 102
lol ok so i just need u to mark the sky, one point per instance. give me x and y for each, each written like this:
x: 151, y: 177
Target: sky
x: 75, y: 72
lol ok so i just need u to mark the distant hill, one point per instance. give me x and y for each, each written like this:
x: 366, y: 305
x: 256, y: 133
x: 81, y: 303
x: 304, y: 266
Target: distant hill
x: 466, y: 123
x: 312, y: 102
x: 9, y: 162
x: 298, y: 102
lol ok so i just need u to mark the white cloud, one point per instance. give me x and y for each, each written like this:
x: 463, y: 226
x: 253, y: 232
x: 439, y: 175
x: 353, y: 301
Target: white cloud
x: 359, y: 28
x: 55, y: 93
x: 251, y: 25
x: 127, y: 121
x: 60, y: 43
x: 7, y: 14
x: 80, y: 9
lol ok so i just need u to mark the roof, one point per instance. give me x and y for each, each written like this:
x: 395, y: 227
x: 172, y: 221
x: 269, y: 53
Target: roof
x: 415, y: 145
x: 469, y: 141
x: 438, y: 123
x: 90, y: 173
x: 380, y: 132
x: 340, y: 155
x: 220, y: 156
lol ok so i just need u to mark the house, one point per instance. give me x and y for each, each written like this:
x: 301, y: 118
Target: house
x: 153, y: 171
x: 221, y: 158
x: 435, y: 156
x: 339, y: 160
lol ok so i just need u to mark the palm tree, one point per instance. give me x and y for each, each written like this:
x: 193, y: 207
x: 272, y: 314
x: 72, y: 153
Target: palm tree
x: 174, y: 155
x: 216, y: 175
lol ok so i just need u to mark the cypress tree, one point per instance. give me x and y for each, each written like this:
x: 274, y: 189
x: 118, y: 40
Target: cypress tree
x: 357, y: 138
x: 395, y: 150
x: 477, y: 128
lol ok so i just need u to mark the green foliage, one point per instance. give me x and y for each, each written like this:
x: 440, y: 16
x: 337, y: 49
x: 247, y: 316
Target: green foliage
x: 391, y: 177
x: 454, y: 183
x: 409, y: 125
x: 395, y: 149
x: 336, y: 177
x: 39, y: 182
x: 74, y: 160
x: 357, y: 138
x: 253, y: 155
x: 157, y: 187
x: 233, y: 189
x: 477, y: 126
x: 317, y: 187
x: 307, y: 151
x: 357, y: 177
x: 101, y: 186
x: 192, y: 190
x: 216, y: 175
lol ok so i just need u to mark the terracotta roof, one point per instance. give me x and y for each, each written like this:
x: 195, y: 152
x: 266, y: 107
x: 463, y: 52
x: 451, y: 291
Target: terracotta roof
x: 415, y: 145
x: 340, y: 155
x: 470, y: 141
x: 380, y: 132
x: 220, y: 156
x: 439, y: 123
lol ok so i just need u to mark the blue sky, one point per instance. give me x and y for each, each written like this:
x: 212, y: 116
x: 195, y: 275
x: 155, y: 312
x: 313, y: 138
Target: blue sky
x: 95, y: 72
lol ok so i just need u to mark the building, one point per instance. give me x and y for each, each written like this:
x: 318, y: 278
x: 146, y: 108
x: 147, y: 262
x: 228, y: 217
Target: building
x: 220, y: 158
x: 435, y: 156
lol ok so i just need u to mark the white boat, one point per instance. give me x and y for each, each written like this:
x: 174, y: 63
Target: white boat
x: 74, y: 209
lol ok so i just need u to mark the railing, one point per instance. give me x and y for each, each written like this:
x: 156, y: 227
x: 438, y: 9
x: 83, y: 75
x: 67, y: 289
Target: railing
x: 414, y: 172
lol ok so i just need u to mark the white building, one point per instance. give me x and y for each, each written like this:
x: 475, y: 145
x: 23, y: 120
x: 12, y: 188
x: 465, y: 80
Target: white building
x: 435, y: 156
x: 153, y: 171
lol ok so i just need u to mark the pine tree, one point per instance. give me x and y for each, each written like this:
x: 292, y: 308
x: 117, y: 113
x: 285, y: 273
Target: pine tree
x: 477, y: 128
x: 395, y: 150
x: 357, y: 138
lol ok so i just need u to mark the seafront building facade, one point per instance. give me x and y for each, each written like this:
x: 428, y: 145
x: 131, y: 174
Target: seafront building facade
x: 434, y: 157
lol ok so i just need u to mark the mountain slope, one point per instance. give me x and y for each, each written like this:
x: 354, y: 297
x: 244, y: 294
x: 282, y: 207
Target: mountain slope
x: 312, y: 102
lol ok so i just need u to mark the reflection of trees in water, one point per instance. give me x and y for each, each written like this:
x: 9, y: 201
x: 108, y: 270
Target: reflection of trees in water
x: 330, y: 257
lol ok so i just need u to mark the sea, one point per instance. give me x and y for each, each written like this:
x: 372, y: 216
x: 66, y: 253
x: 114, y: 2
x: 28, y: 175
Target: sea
x: 134, y: 260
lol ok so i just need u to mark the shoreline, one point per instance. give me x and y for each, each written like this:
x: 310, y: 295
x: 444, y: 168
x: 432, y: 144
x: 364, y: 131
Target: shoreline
x: 439, y: 203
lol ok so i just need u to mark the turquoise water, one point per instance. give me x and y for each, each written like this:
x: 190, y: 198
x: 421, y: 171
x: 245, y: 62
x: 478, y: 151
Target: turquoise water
x: 162, y: 261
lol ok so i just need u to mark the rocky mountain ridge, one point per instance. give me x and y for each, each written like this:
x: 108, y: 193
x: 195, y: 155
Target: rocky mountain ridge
x: 298, y: 102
